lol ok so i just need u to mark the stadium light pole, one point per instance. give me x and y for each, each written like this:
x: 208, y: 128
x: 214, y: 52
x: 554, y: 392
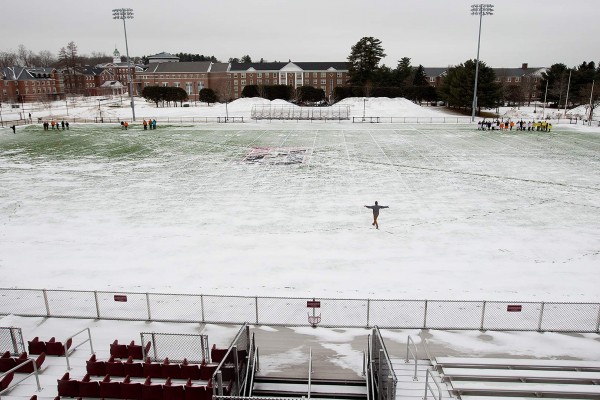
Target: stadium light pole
x: 126, y: 13
x: 481, y: 10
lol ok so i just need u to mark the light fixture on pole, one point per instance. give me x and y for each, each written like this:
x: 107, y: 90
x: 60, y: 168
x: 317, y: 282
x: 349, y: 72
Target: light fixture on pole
x: 126, y: 13
x: 545, y: 97
x: 364, y: 107
x: 481, y: 10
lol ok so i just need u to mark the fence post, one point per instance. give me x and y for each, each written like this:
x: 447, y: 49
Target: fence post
x: 368, y: 311
x: 425, y: 317
x: 482, y: 315
x: 202, y: 306
x: 256, y: 308
x: 598, y: 320
x: 541, y: 317
x: 14, y: 340
x: 148, y: 306
x: 97, y: 304
x: 46, y: 301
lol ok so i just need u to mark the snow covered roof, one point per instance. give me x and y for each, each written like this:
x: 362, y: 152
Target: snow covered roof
x: 290, y: 66
x: 26, y: 74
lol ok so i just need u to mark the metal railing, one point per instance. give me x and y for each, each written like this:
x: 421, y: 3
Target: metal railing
x: 291, y: 311
x: 72, y: 349
x: 240, y: 341
x: 385, y: 377
x: 409, y: 351
x: 12, y: 370
x: 11, y: 340
x: 309, y: 371
x: 411, y: 120
x: 429, y: 388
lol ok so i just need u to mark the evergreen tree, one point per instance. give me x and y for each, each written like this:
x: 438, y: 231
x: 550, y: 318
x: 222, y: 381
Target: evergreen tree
x: 420, y: 77
x: 246, y: 59
x: 557, y: 77
x: 207, y: 95
x: 364, y: 60
x: 457, y: 89
x: 403, y: 73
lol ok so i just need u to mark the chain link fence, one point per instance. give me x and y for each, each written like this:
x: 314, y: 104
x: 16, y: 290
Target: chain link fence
x: 290, y: 311
x: 11, y: 340
x: 176, y: 347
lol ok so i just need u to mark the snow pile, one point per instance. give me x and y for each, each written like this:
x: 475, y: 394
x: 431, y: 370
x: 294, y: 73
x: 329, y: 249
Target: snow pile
x: 386, y: 107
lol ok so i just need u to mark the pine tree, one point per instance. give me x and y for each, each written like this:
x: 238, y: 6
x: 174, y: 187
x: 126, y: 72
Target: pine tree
x: 457, y: 89
x: 364, y: 60
x: 420, y: 77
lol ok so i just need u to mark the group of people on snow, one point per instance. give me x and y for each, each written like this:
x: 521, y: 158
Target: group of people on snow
x: 521, y: 125
x: 53, y: 123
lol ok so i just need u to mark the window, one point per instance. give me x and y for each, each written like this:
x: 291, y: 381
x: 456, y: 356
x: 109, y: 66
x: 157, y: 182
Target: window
x: 176, y: 84
x: 339, y: 81
x: 252, y: 81
x: 323, y: 81
x: 235, y: 75
x: 259, y: 81
x: 274, y: 74
x: 339, y: 74
x: 518, y: 79
x: 243, y: 83
x: 314, y: 82
x: 432, y: 79
x: 508, y: 79
x: 323, y: 74
x: 165, y: 84
x: 243, y: 74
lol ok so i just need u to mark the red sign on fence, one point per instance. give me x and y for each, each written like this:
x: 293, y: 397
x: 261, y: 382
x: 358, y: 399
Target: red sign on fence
x: 514, y: 308
x: 120, y: 297
x: 313, y: 304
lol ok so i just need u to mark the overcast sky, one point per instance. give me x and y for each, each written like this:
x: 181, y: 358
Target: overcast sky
x: 435, y: 33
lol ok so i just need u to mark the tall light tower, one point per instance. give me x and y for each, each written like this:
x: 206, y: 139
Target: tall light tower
x: 126, y: 13
x: 481, y: 10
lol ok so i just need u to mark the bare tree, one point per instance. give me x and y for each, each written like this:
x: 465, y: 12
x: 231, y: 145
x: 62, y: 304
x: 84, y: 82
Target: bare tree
x: 24, y: 56
x: 46, y: 58
x: 8, y: 58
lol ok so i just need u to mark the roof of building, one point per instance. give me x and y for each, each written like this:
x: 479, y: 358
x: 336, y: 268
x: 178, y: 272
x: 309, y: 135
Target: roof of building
x: 278, y: 66
x: 433, y: 72
x: 26, y: 74
x: 163, y: 55
x: 219, y: 67
x: 186, y: 66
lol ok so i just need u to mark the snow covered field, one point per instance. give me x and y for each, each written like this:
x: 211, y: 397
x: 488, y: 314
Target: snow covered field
x: 278, y: 209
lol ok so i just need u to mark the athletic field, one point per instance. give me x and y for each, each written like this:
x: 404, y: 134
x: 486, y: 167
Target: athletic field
x: 278, y: 209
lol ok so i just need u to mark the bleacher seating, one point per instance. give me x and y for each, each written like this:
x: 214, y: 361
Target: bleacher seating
x: 129, y: 350
x: 51, y: 347
x: 152, y: 391
x: 110, y: 389
x: 6, y: 380
x: 7, y: 363
x: 173, y: 392
x: 68, y: 387
x: 131, y: 390
x: 502, y: 377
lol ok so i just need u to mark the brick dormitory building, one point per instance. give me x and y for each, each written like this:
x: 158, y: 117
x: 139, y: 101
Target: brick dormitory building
x: 228, y: 80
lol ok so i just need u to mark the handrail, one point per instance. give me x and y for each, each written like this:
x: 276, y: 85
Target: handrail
x: 309, y: 371
x: 254, y: 369
x: 428, y: 386
x: 35, y: 371
x: 249, y: 364
x: 413, y: 354
x: 385, y: 352
x: 370, y: 367
x: 67, y: 351
x: 217, y: 374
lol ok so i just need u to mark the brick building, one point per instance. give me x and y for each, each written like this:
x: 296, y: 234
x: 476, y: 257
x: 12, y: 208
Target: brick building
x: 85, y: 81
x: 19, y: 84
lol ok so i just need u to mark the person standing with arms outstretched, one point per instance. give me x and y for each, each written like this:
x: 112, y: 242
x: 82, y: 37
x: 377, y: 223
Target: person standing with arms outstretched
x: 376, y: 209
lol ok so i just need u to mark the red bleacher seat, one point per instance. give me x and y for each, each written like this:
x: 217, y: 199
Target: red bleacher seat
x: 89, y: 388
x: 68, y: 387
x: 28, y: 368
x: 54, y: 348
x: 7, y: 362
x: 207, y: 371
x: 114, y: 367
x: 118, y: 350
x: 131, y: 390
x: 151, y: 391
x: 152, y: 370
x: 95, y: 367
x: 217, y: 355
x: 169, y: 370
x: 173, y: 392
x: 110, y: 389
x: 134, y: 369
x: 6, y: 380
x: 190, y: 371
x: 194, y: 392
x: 136, y: 351
x: 36, y: 347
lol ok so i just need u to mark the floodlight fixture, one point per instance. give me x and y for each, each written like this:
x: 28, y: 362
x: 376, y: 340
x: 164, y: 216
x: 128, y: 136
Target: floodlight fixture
x: 481, y: 10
